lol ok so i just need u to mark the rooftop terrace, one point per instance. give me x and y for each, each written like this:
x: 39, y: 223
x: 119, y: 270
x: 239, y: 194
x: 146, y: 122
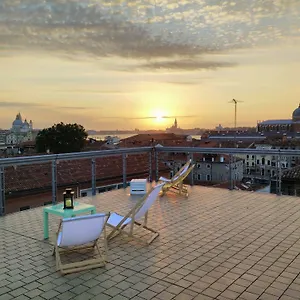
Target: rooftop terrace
x: 216, y: 244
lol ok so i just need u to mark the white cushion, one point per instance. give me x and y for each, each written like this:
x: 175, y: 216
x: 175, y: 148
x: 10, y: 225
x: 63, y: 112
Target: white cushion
x: 164, y: 179
x: 81, y: 230
x: 115, y: 219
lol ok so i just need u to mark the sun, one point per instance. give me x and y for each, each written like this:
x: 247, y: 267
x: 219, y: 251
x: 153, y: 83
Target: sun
x: 159, y: 116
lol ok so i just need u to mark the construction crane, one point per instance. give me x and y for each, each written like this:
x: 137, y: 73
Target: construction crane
x: 235, y: 109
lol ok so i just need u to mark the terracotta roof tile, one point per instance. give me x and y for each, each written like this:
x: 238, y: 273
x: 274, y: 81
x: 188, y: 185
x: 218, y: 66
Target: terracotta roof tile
x: 39, y: 176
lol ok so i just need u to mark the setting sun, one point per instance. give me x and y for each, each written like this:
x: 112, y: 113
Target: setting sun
x: 159, y: 116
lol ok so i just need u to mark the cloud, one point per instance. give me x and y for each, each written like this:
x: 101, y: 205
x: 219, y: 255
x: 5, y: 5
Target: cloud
x: 71, y: 107
x: 143, y: 29
x: 90, y: 91
x: 183, y: 82
x: 147, y: 117
x: 183, y: 64
x: 19, y: 104
x: 16, y: 104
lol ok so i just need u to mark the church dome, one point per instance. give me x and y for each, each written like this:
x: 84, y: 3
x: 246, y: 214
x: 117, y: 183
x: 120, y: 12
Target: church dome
x: 17, y: 122
x: 296, y: 113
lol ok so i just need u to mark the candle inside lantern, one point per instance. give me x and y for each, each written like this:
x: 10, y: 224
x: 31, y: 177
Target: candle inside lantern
x: 68, y: 203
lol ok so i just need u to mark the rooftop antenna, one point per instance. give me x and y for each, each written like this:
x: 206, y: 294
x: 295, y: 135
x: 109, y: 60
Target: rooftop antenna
x: 235, y: 110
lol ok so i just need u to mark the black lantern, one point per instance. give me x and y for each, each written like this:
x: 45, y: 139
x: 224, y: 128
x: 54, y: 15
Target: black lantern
x: 68, y: 199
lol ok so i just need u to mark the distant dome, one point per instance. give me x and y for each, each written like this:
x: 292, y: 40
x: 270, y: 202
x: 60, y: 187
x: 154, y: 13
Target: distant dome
x: 17, y: 122
x: 296, y: 114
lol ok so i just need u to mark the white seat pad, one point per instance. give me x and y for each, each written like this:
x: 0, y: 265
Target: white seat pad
x: 115, y: 219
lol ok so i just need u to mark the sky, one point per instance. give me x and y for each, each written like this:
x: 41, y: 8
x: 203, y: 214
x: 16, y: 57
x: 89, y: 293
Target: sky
x: 126, y: 64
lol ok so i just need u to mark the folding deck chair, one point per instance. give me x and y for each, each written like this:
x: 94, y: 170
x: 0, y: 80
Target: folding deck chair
x: 180, y: 172
x: 81, y: 233
x: 175, y: 184
x: 139, y: 211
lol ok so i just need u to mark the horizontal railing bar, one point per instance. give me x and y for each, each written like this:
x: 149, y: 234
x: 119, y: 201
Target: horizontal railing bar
x: 25, y: 160
x: 21, y: 160
x: 281, y: 152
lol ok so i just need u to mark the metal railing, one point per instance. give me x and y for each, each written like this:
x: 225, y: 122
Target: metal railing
x: 154, y: 153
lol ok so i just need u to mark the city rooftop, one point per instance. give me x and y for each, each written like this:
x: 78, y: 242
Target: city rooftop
x: 215, y: 244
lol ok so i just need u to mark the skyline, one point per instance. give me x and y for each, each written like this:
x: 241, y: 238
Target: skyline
x: 120, y: 65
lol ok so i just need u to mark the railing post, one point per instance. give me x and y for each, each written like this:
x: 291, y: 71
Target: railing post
x: 2, y: 191
x: 124, y: 170
x: 93, y: 176
x: 54, y: 182
x: 150, y: 166
x: 278, y: 177
x: 156, y: 166
x: 191, y: 157
x: 230, y: 172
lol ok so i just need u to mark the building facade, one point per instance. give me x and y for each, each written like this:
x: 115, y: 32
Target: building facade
x: 210, y: 168
x: 283, y: 125
x: 264, y: 167
x: 21, y: 131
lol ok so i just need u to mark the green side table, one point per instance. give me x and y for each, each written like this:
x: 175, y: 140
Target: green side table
x: 58, y: 209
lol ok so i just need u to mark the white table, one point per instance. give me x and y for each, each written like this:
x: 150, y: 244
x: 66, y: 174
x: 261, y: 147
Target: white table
x: 138, y: 186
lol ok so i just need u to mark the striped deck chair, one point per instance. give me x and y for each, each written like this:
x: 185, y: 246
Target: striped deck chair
x: 138, y: 212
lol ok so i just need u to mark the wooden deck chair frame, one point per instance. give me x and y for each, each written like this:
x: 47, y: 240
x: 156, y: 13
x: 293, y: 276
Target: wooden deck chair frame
x: 120, y: 228
x: 185, y: 166
x: 177, y: 185
x: 86, y: 264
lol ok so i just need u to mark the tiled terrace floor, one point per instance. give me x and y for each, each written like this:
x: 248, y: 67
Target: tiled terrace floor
x: 217, y: 244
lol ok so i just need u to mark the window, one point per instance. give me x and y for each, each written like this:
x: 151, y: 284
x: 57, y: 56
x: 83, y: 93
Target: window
x: 262, y: 172
x: 252, y: 156
x: 199, y: 176
x: 247, y: 156
x: 253, y: 164
x: 247, y: 163
x: 208, y: 177
x: 257, y: 161
x: 83, y: 194
x: 198, y: 166
x: 263, y: 161
x: 208, y: 166
x: 269, y: 162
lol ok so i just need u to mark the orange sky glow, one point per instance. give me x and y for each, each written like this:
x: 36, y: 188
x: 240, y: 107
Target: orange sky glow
x: 147, y: 64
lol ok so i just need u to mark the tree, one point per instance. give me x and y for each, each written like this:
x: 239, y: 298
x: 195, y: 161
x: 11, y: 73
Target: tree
x: 61, y: 138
